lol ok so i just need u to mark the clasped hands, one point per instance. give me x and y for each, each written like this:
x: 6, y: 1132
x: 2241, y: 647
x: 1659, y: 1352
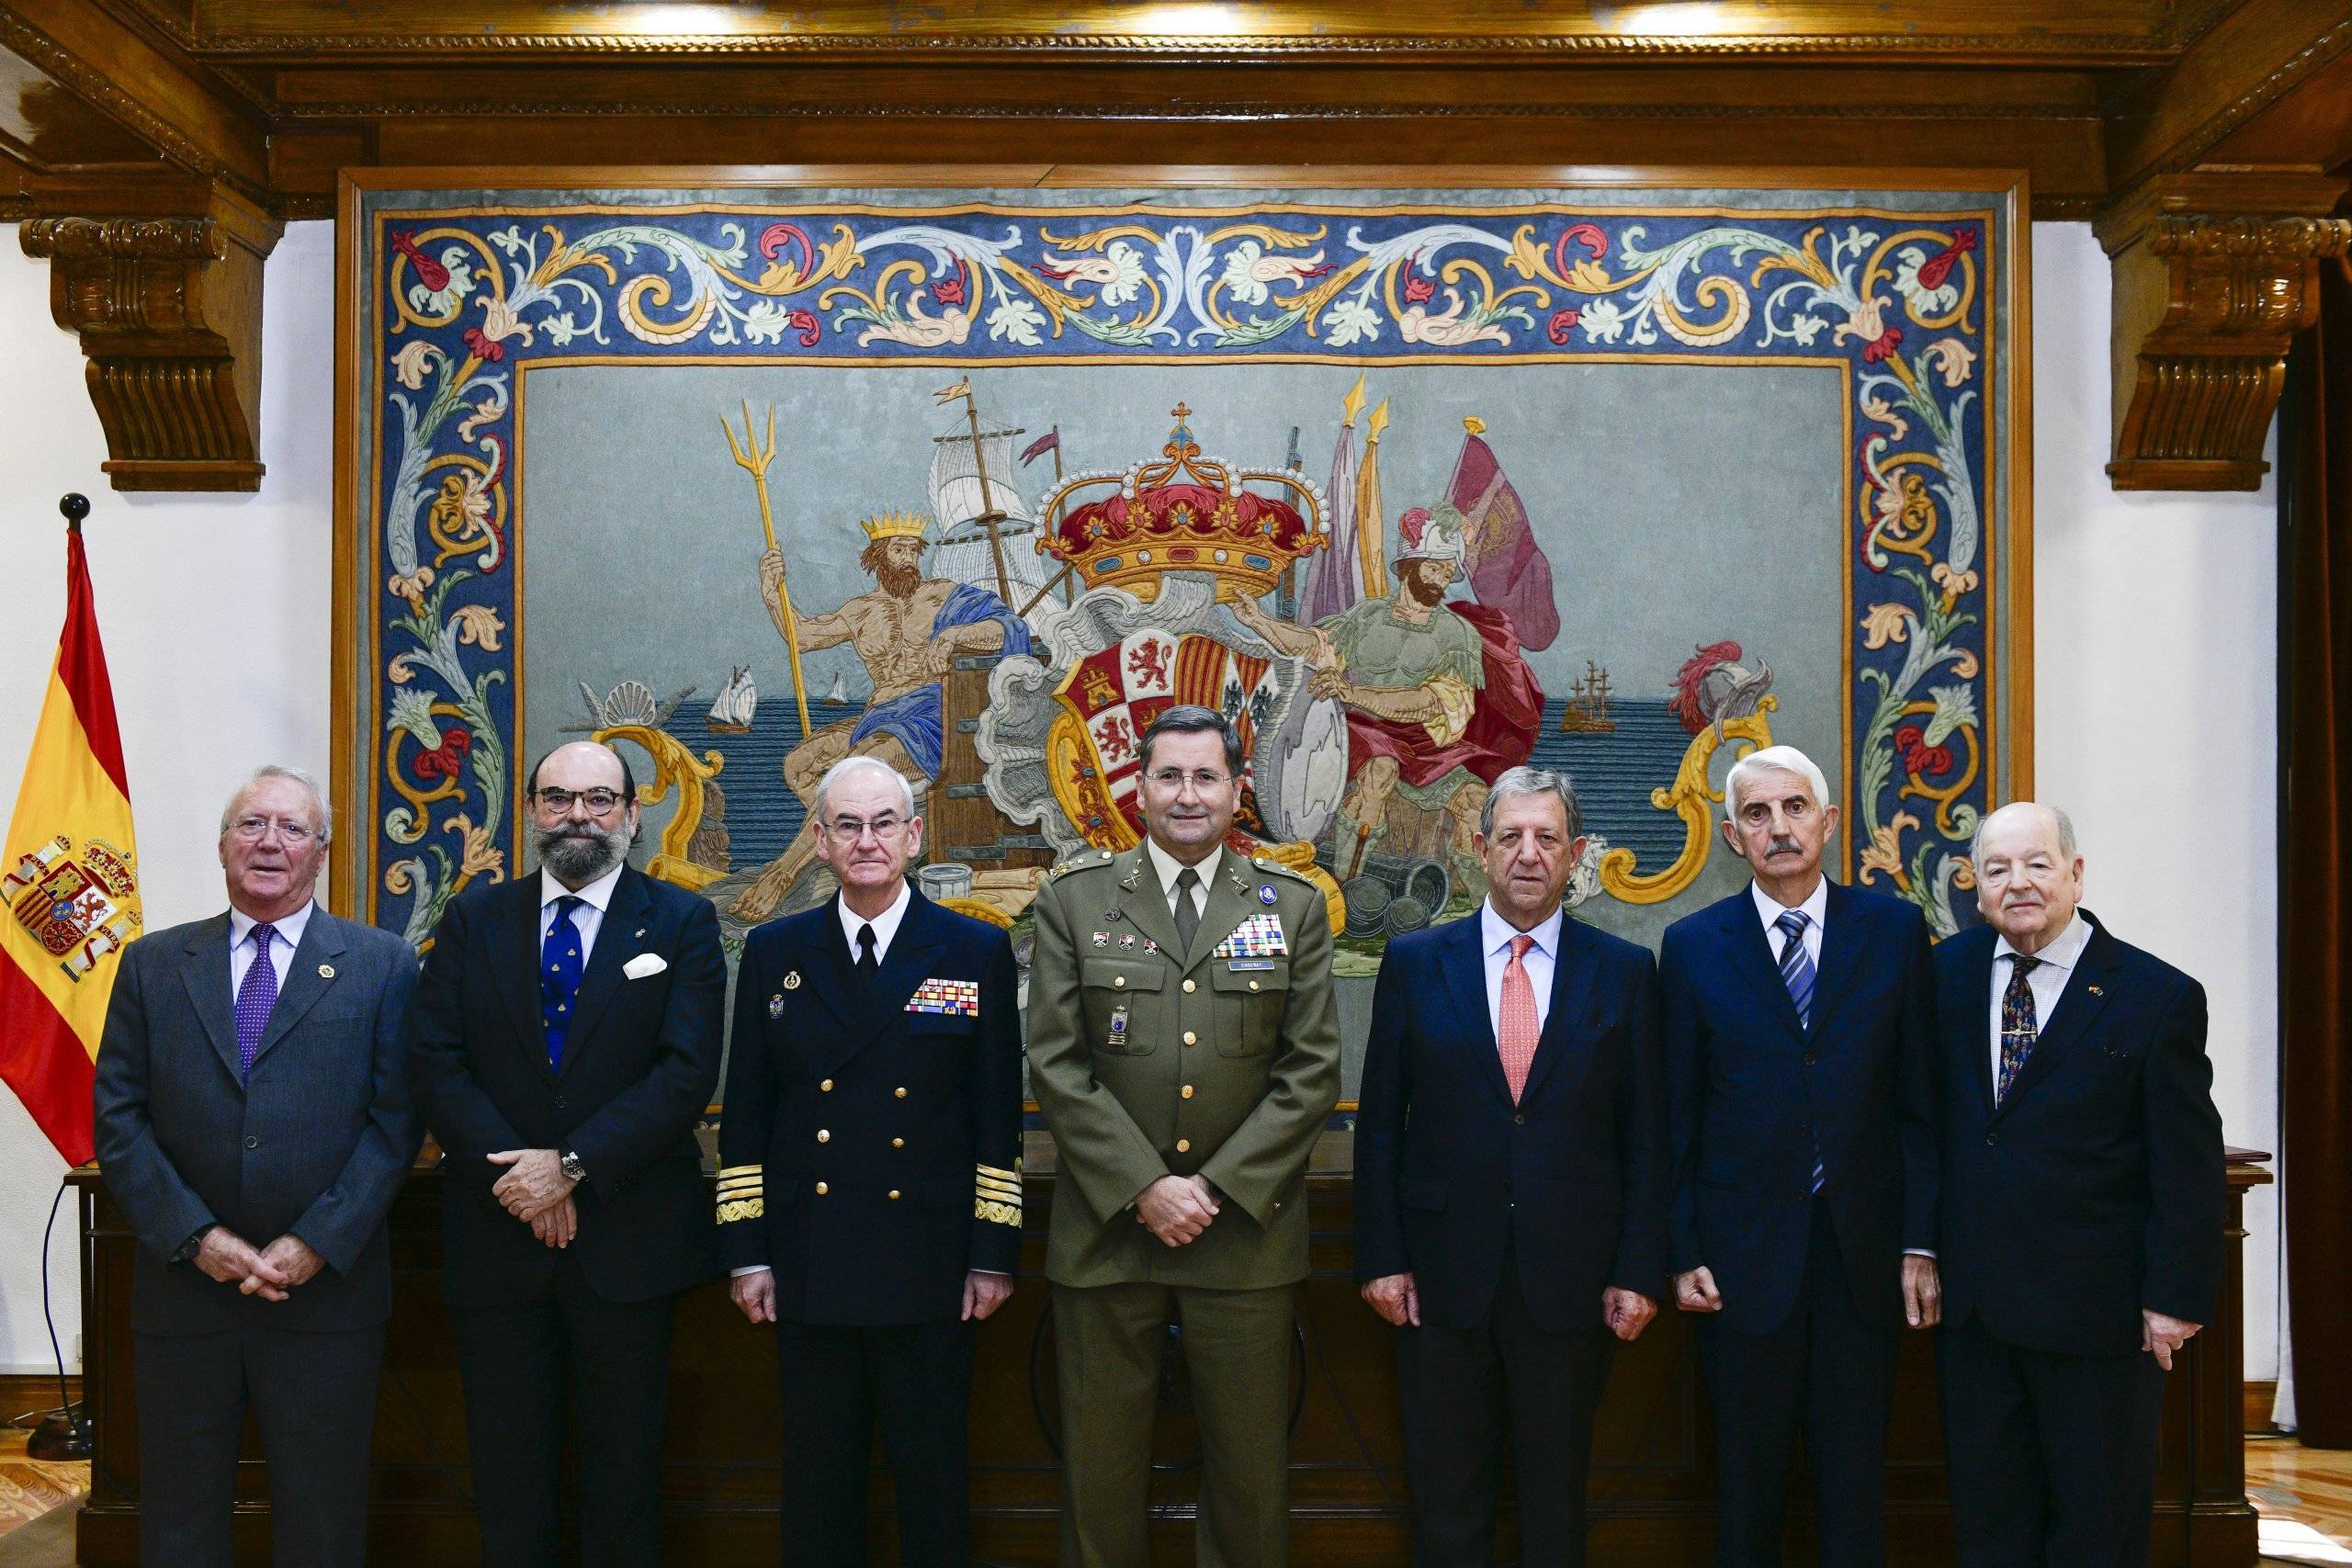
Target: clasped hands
x: 1176, y: 1208
x: 270, y: 1272
x: 1397, y: 1300
x: 535, y: 1191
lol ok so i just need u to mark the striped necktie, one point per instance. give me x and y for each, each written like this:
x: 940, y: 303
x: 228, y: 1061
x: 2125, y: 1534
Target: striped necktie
x: 1796, y: 973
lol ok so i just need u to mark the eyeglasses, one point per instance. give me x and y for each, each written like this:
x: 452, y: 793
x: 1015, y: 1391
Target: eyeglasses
x: 1175, y: 779
x: 556, y: 802
x: 252, y: 829
x: 851, y: 829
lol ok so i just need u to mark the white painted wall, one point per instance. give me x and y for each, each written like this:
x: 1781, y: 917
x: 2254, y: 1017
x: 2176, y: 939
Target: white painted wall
x: 2154, y: 681
x: 214, y: 611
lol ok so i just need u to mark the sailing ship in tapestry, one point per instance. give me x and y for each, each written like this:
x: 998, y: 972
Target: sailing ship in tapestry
x: 1412, y: 499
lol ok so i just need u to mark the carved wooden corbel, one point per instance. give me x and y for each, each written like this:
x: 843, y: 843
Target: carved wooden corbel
x: 2215, y: 272
x: 168, y: 310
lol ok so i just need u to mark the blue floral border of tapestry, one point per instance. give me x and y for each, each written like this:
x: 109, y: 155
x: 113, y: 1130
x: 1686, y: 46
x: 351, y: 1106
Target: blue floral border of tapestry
x: 459, y: 289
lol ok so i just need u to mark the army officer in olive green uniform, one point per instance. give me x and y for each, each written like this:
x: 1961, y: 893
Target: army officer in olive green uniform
x: 1183, y: 1046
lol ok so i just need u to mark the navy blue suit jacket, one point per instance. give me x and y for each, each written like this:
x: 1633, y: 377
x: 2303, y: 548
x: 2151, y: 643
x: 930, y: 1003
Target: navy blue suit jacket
x: 639, y: 1070
x: 1749, y: 1092
x: 870, y: 1154
x: 2097, y: 1187
x: 1449, y: 1173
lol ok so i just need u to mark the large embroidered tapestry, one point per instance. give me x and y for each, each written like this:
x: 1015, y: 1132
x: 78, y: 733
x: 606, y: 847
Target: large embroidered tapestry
x: 1414, y: 485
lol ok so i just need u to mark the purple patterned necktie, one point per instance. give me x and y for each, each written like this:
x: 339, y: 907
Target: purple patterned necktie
x: 255, y: 997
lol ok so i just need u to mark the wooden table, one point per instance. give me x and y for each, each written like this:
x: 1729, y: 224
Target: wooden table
x: 1653, y: 1466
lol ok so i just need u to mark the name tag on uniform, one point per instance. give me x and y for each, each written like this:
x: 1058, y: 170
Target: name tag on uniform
x: 958, y: 999
x: 1240, y: 965
x: 1260, y: 936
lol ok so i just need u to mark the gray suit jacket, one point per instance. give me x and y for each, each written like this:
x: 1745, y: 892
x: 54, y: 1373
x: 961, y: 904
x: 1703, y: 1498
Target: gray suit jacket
x: 316, y: 1144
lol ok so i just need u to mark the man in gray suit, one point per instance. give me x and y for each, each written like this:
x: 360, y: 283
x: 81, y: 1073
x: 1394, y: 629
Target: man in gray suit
x: 254, y: 1125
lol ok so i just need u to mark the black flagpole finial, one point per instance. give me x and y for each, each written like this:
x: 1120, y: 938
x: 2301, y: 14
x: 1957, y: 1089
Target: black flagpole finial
x: 75, y: 506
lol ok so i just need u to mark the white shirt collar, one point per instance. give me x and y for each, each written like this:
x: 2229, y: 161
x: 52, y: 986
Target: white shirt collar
x: 2062, y: 952
x: 886, y: 924
x: 1769, y: 908
x: 290, y: 927
x: 1496, y: 933
x: 1166, y: 867
x: 597, y: 894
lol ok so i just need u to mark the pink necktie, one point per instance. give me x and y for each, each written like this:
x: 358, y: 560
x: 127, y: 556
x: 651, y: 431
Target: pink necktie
x: 1518, y: 1035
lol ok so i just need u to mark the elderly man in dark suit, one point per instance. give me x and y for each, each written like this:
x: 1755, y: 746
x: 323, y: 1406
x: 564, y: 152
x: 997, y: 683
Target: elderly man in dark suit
x: 564, y: 1041
x: 1511, y: 1183
x: 1800, y: 1049
x: 2083, y: 1203
x: 253, y: 1123
x: 869, y: 1182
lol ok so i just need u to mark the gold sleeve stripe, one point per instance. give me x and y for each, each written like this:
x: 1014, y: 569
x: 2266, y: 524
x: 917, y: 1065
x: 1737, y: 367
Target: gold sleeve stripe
x: 732, y: 1194
x: 742, y: 1209
x: 1000, y: 1172
x: 749, y: 1179
x: 727, y: 1171
x: 987, y: 1194
x: 1002, y: 1213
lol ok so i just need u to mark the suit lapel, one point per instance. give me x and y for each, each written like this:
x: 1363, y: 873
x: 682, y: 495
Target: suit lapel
x: 1753, y: 958
x: 1842, y: 940
x: 1574, y: 970
x: 1144, y: 903
x: 869, y: 1005
x: 309, y: 975
x: 204, y: 971
x: 2078, y: 1004
x: 619, y: 938
x: 1973, y: 1022
x: 1463, y: 958
x: 512, y: 933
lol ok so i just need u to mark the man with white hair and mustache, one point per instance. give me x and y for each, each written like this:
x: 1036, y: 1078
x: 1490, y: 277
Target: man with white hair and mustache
x: 564, y: 1043
x: 2083, y: 1202
x: 1799, y: 1019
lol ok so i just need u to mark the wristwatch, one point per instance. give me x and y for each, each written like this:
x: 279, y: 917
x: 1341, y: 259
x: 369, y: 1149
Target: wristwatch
x: 573, y: 1172
x: 192, y: 1245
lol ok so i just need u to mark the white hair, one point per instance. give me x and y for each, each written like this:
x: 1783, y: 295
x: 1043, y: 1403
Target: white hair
x: 860, y: 763
x: 1774, y: 760
x: 2065, y: 831
x: 267, y: 771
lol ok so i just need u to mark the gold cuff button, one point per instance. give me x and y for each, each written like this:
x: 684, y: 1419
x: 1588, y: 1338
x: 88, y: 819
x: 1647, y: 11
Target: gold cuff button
x: 894, y: 1194
x: 1184, y: 1145
x: 823, y: 1136
x: 901, y: 1093
x: 826, y: 1087
x: 898, y: 1143
x: 1188, y: 1091
x: 822, y: 1189
x: 1188, y: 987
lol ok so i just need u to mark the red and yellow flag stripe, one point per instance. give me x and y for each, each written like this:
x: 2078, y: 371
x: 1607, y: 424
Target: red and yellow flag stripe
x: 68, y: 878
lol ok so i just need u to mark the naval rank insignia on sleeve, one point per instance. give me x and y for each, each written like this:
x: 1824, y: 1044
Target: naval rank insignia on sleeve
x: 742, y: 1194
x: 996, y: 1194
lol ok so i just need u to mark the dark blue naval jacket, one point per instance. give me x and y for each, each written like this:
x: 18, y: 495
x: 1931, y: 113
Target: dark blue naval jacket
x: 869, y: 1143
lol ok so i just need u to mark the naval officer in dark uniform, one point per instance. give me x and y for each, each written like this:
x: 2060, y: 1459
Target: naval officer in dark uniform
x: 869, y: 1184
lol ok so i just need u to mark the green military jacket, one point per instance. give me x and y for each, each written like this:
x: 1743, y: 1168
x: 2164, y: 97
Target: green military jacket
x: 1150, y: 1062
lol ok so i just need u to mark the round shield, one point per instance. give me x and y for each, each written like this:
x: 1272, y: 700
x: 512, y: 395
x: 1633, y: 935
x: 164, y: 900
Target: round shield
x: 1302, y: 770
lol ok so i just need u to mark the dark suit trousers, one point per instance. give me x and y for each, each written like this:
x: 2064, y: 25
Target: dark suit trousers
x: 313, y: 1395
x: 1827, y: 1370
x: 918, y: 1379
x: 520, y: 1361
x: 2053, y: 1458
x: 1468, y: 1396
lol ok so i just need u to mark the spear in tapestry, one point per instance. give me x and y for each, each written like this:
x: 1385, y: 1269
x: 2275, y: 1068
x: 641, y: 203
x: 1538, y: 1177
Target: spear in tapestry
x: 755, y: 463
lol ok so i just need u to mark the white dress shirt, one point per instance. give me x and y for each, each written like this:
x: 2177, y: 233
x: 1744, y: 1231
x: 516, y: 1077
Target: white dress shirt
x: 1815, y: 907
x: 289, y: 930
x: 1166, y: 867
x: 1495, y: 934
x: 886, y: 924
x: 589, y: 918
x: 2046, y: 981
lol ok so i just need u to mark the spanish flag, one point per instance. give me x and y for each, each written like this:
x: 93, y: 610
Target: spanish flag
x: 68, y: 878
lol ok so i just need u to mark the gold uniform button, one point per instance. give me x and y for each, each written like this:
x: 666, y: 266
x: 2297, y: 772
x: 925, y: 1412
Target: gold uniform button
x: 822, y: 1189
x: 1191, y: 1038
x: 900, y: 1092
x: 1118, y: 979
x: 894, y: 1194
x: 1184, y: 1145
x: 898, y: 1143
x: 1188, y: 1091
x: 1188, y: 987
x: 1253, y: 984
x: 826, y: 1087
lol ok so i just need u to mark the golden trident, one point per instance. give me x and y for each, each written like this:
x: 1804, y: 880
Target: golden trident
x: 756, y: 465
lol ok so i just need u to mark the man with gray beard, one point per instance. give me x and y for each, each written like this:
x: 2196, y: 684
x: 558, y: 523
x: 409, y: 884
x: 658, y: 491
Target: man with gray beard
x: 564, y: 1043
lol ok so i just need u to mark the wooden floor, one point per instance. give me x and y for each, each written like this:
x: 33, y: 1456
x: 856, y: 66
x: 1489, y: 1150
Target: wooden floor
x: 2288, y: 1481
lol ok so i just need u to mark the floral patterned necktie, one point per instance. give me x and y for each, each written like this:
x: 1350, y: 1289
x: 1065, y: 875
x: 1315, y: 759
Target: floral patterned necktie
x: 2020, y: 1028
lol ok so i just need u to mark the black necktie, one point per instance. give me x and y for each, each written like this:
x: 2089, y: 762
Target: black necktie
x: 2019, y: 1027
x: 867, y: 962
x: 1188, y: 918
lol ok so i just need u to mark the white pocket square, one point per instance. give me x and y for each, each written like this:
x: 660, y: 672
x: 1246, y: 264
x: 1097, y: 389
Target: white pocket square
x: 645, y: 963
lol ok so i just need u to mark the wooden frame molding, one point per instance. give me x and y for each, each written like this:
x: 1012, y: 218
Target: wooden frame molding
x: 167, y: 307
x: 2215, y: 273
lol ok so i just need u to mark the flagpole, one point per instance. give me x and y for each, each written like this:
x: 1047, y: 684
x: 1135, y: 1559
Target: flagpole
x: 75, y: 506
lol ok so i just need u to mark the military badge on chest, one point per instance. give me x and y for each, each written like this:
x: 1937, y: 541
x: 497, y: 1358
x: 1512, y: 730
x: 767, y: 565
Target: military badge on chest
x: 1118, y: 1041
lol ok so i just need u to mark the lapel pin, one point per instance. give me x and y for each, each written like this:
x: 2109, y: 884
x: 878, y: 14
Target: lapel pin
x: 1150, y: 945
x: 1127, y: 939
x: 1265, y: 895
x: 2096, y: 992
x: 1101, y: 939
x: 776, y: 1005
x: 792, y: 981
x: 640, y: 930
x: 326, y: 972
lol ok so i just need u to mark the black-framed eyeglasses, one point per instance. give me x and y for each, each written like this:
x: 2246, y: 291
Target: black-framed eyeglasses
x: 556, y: 802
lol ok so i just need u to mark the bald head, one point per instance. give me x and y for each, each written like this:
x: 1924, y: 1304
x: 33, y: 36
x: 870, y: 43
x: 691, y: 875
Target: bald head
x: 2028, y: 872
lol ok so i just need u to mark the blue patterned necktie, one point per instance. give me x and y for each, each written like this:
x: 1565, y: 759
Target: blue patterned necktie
x: 2019, y: 1026
x: 256, y: 995
x: 1796, y: 973
x: 559, y: 966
